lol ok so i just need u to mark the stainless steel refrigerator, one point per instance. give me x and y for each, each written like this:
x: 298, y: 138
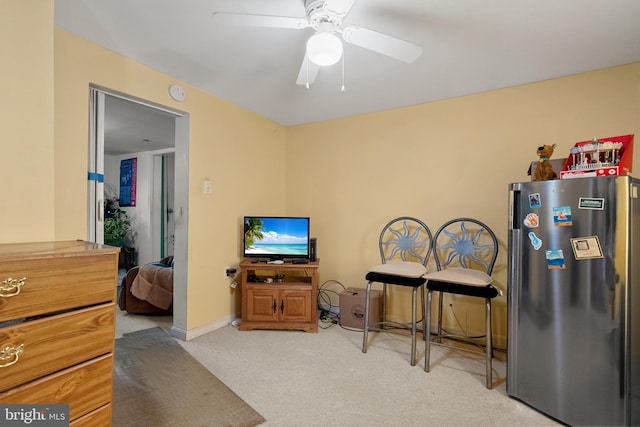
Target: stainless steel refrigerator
x: 574, y: 299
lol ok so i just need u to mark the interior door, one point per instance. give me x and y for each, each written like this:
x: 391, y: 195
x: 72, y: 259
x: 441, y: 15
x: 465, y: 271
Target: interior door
x: 168, y: 189
x: 95, y: 176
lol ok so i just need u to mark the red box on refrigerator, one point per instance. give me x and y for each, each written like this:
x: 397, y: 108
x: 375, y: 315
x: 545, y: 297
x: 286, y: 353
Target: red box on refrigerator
x: 600, y: 157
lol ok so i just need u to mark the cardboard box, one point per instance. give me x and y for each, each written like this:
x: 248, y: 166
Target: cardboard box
x: 599, y: 158
x: 352, y: 307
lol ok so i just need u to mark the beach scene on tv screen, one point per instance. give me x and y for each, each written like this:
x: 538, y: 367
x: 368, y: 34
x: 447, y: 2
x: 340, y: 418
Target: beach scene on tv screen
x: 276, y: 236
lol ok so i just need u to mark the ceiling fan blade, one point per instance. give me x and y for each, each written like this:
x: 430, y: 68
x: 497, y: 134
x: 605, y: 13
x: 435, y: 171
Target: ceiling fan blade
x: 339, y: 7
x: 382, y: 43
x: 260, y: 20
x: 308, y: 72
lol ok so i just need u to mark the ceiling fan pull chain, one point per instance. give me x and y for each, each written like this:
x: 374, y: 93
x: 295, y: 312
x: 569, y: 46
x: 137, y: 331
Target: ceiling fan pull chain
x: 307, y: 63
x: 342, y: 88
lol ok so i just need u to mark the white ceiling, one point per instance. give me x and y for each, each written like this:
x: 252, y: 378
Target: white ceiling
x: 130, y: 127
x: 470, y: 46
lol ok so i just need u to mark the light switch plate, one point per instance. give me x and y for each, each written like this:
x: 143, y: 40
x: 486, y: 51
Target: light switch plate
x: 207, y: 186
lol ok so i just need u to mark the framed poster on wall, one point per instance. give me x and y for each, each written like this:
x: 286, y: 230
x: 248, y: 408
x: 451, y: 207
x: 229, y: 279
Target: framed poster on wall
x: 128, y: 178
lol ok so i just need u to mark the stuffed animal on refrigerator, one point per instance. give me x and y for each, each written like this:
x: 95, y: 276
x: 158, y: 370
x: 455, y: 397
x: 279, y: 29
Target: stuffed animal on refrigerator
x: 544, y: 171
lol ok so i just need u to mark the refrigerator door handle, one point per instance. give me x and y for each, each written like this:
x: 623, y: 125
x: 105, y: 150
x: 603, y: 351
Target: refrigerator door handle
x: 515, y: 243
x: 612, y: 303
x: 513, y: 283
x: 514, y: 207
x: 614, y: 297
x: 514, y: 271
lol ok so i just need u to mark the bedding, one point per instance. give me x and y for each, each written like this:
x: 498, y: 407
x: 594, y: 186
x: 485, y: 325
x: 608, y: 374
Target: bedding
x: 148, y: 289
x: 154, y: 284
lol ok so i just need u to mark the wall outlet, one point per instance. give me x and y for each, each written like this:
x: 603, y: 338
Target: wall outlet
x: 230, y: 272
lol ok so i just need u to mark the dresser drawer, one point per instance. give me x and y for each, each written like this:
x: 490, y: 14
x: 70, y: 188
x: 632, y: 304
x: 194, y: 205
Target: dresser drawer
x: 101, y: 417
x: 52, y: 343
x: 83, y: 387
x: 57, y: 283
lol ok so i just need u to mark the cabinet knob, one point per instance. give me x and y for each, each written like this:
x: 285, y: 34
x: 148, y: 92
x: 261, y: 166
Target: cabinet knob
x: 10, y: 354
x: 11, y: 287
x: 275, y: 306
x: 282, y: 306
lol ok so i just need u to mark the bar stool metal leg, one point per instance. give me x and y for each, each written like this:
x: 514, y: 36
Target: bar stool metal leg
x: 366, y: 318
x: 489, y: 345
x: 413, y: 326
x: 427, y: 333
x: 440, y: 299
x: 424, y: 314
x: 383, y: 325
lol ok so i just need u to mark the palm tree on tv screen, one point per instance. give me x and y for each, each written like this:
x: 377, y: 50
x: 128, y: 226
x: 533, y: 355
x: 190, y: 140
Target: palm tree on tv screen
x: 253, y: 229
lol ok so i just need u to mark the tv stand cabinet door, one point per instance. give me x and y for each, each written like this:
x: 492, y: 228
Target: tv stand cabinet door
x: 296, y: 306
x: 262, y: 305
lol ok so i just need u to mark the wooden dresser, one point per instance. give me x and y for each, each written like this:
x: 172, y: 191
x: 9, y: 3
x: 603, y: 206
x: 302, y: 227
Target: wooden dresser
x: 57, y: 327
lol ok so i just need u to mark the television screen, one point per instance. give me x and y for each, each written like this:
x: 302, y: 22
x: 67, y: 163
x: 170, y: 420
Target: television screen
x: 276, y: 237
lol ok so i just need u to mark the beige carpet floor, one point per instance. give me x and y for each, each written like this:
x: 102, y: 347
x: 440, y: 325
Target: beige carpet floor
x: 300, y: 379
x: 157, y: 383
x: 303, y: 379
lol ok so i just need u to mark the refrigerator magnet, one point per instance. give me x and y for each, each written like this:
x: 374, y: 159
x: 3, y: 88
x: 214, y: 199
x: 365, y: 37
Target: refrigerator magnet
x: 536, y: 242
x: 562, y: 216
x: 591, y: 203
x: 531, y: 220
x: 555, y: 259
x: 586, y: 247
x: 534, y: 200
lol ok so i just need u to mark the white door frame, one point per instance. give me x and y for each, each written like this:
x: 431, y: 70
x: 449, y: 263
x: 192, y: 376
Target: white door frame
x: 95, y: 209
x: 95, y: 176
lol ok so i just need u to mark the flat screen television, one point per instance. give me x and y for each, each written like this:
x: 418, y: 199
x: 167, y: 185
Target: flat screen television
x: 276, y: 238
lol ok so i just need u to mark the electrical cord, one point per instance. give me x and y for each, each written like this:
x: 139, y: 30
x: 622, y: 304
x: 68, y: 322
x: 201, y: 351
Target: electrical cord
x: 329, y: 316
x: 465, y: 337
x: 347, y: 328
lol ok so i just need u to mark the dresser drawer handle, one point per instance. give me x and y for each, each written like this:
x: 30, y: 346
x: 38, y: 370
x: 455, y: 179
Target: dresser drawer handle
x: 11, y: 287
x: 12, y: 354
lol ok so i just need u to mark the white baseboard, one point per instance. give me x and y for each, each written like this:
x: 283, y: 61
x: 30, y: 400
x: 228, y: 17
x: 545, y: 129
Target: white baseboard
x: 183, y: 335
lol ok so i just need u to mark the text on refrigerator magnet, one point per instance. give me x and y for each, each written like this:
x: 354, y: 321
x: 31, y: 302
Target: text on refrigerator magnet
x: 591, y: 203
x: 586, y: 247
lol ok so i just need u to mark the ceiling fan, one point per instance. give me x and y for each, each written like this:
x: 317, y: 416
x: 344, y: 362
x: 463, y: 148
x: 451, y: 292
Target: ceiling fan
x: 324, y: 48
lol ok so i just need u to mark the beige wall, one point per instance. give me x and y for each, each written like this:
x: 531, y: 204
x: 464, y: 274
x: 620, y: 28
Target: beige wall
x: 241, y: 153
x: 443, y: 160
x: 26, y: 120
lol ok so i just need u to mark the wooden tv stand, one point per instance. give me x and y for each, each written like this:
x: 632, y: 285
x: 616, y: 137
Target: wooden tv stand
x: 289, y: 303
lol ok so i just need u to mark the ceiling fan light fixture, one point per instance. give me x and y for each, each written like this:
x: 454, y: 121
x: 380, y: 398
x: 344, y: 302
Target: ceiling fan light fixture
x: 324, y: 49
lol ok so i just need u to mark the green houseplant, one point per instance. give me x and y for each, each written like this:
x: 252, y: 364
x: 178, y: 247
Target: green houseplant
x: 118, y: 231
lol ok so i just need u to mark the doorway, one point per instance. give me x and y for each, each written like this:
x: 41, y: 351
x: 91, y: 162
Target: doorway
x: 163, y: 224
x: 154, y: 139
